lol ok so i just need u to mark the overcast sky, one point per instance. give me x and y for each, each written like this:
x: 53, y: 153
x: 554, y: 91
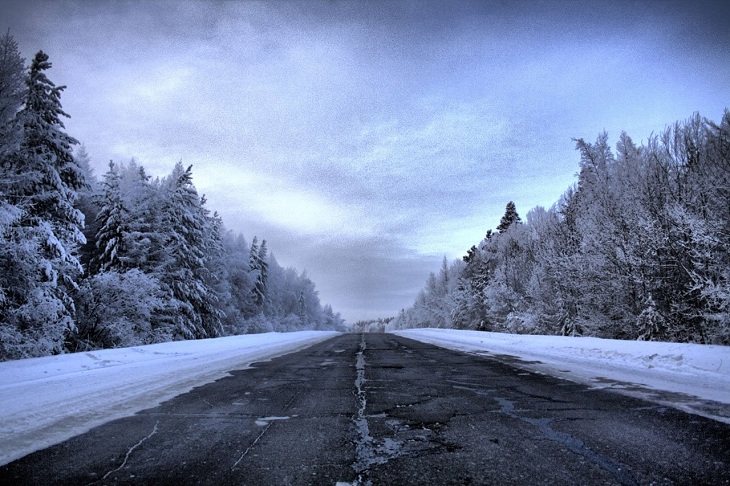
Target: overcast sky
x: 366, y: 140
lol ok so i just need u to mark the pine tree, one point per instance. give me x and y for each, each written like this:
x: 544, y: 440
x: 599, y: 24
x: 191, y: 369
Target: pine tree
x: 40, y: 176
x: 259, y: 274
x: 12, y: 85
x: 236, y: 283
x: 47, y: 171
x: 145, y: 241
x: 113, y: 219
x: 510, y: 217
x: 183, y: 271
x: 261, y: 285
x: 12, y: 76
x: 88, y: 204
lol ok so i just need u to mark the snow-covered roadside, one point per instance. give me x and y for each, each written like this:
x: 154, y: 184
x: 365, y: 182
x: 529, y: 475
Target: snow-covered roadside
x: 44, y: 401
x: 692, y: 377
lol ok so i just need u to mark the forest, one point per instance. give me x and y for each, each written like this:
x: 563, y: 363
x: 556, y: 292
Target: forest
x: 125, y: 260
x: 638, y: 248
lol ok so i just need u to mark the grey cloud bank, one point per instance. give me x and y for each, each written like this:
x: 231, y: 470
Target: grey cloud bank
x: 365, y: 140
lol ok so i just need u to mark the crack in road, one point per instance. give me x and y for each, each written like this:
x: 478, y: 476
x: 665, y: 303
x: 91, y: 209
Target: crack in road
x: 414, y: 438
x: 266, y: 423
x: 253, y: 444
x: 129, y: 452
x: 363, y: 448
x: 369, y: 451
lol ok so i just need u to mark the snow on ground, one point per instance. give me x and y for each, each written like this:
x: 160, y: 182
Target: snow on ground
x: 691, y: 377
x: 44, y: 401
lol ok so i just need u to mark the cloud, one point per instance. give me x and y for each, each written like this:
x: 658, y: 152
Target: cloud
x: 261, y: 197
x: 367, y: 140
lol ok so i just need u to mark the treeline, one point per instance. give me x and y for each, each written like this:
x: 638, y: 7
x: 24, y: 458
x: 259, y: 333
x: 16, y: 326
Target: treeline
x: 128, y: 260
x: 371, y: 325
x: 639, y: 248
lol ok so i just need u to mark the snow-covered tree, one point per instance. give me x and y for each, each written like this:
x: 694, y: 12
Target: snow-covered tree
x: 259, y: 268
x: 638, y: 249
x: 88, y: 205
x: 158, y: 265
x: 145, y: 242
x: 333, y: 321
x: 41, y: 178
x: 12, y: 86
x: 235, y: 283
x: 118, y: 309
x: 510, y: 217
x: 114, y: 226
x: 184, y: 272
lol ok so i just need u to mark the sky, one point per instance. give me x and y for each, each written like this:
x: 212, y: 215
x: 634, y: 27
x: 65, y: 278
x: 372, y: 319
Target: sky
x: 367, y: 140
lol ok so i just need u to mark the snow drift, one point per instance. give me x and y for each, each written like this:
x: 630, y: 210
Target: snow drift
x: 47, y: 400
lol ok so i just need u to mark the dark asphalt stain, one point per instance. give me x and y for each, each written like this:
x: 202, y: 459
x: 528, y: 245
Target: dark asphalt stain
x: 575, y: 445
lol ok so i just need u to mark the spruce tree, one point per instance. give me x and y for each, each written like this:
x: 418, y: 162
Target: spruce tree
x: 12, y: 85
x: 41, y: 178
x: 113, y: 219
x: 183, y: 271
x: 12, y: 76
x: 261, y: 285
x: 145, y: 241
x: 255, y: 264
x: 510, y: 217
x: 88, y: 204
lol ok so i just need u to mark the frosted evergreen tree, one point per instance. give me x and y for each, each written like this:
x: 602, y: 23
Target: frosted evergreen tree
x: 261, y: 285
x: 213, y: 311
x: 263, y: 263
x: 469, y: 309
x: 183, y: 271
x: 332, y: 320
x: 47, y: 172
x: 41, y: 177
x: 145, y: 241
x: 253, y: 255
x: 259, y: 274
x: 12, y: 87
x: 12, y: 76
x: 510, y: 217
x: 18, y: 258
x: 88, y: 205
x: 215, y: 261
x: 113, y: 219
x: 236, y: 283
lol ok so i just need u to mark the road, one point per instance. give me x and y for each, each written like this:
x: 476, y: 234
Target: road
x: 381, y: 409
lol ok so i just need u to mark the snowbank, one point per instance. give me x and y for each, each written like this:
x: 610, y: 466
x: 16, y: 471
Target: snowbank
x: 44, y: 401
x: 692, y: 377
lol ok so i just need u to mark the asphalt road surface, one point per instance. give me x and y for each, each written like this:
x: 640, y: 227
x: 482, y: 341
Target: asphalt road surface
x: 381, y: 409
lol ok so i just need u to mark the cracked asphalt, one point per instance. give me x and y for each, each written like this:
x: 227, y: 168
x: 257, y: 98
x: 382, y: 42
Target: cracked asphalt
x: 382, y: 409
